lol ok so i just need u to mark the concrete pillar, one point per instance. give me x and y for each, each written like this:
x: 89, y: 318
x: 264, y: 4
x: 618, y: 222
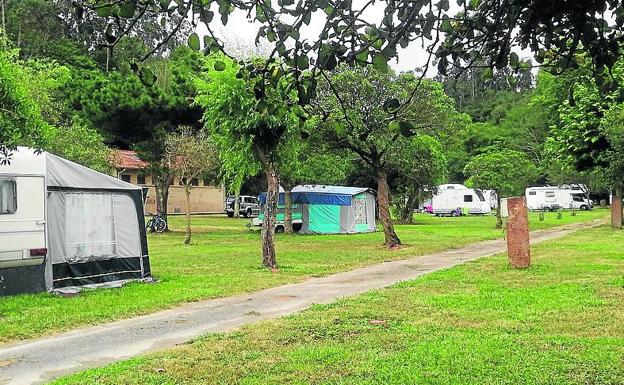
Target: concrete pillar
x: 616, y: 212
x: 518, y: 247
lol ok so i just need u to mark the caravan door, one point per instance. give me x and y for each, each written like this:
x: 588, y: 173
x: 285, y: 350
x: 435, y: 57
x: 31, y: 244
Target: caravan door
x: 22, y: 220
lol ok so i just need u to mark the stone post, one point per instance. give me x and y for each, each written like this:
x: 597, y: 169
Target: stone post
x: 518, y: 247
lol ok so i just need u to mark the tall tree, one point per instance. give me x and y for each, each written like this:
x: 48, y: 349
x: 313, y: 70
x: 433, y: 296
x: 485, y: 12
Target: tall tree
x: 363, y: 113
x: 248, y: 111
x: 190, y: 155
x: 418, y: 164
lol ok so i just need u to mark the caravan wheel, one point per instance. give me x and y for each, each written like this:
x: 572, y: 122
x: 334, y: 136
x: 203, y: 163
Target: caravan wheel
x: 584, y: 208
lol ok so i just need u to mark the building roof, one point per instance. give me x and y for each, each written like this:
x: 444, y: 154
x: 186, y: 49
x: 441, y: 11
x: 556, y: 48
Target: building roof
x: 323, y: 189
x: 127, y: 159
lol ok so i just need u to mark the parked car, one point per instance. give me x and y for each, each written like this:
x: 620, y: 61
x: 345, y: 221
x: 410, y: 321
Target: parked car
x: 249, y: 206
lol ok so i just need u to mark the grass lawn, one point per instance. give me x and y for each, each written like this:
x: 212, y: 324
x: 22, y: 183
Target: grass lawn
x: 224, y: 259
x: 559, y: 322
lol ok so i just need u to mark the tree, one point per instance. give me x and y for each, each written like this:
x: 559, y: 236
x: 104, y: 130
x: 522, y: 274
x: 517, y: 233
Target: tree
x: 20, y: 116
x: 508, y: 172
x: 249, y: 112
x: 587, y: 133
x: 418, y: 164
x: 132, y: 115
x: 190, y: 155
x: 362, y: 113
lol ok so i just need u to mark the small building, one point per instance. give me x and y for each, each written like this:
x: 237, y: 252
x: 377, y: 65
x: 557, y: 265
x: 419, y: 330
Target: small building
x: 62, y: 224
x: 205, y: 198
x: 329, y: 209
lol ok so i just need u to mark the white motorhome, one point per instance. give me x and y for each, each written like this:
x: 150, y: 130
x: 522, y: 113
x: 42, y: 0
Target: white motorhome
x: 64, y: 225
x: 492, y: 197
x: 551, y: 198
x: 456, y: 199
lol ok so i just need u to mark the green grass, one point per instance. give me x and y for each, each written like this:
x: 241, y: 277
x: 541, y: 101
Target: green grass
x: 224, y: 259
x: 559, y: 322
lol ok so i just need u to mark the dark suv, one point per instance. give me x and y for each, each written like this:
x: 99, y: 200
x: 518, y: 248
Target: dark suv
x: 249, y: 206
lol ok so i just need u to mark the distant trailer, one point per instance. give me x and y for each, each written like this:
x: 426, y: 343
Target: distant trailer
x: 457, y: 199
x: 550, y: 198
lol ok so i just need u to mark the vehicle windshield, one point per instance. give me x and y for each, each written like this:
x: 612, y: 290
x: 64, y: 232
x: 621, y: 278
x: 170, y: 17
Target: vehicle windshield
x: 480, y: 195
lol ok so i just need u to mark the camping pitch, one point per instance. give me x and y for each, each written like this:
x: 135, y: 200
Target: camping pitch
x: 62, y: 224
x: 330, y: 209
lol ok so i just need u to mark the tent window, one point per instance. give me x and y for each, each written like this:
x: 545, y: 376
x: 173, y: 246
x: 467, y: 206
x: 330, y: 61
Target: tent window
x: 467, y: 198
x: 8, y: 196
x: 89, y: 227
x: 359, y: 211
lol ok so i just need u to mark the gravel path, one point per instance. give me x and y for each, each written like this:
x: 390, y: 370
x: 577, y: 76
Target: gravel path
x: 39, y: 361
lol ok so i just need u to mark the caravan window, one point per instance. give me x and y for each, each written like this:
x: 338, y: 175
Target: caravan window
x: 479, y: 195
x: 467, y: 198
x: 550, y: 194
x: 8, y: 196
x: 532, y: 192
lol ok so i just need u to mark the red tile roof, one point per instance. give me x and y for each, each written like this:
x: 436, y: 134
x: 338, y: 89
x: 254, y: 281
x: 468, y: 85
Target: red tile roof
x: 127, y: 159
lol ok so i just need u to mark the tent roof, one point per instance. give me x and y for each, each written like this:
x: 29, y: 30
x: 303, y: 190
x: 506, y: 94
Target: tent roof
x: 320, y: 194
x: 323, y: 189
x: 63, y: 173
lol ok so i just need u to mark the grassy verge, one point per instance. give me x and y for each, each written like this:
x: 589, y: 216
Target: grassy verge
x: 559, y: 322
x: 224, y: 260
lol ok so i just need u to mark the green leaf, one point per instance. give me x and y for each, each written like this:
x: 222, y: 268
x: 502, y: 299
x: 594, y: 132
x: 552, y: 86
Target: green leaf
x: 488, y: 74
x: 147, y: 76
x: 514, y: 60
x: 474, y: 4
x: 206, y: 16
x: 219, y: 65
x: 362, y: 56
x: 444, y: 5
x: 446, y: 25
x: 394, y: 126
x: 380, y: 62
x: 126, y: 10
x: 193, y: 42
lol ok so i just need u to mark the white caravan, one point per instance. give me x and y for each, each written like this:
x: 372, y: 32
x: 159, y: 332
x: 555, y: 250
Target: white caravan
x: 62, y: 225
x: 553, y: 198
x: 456, y: 199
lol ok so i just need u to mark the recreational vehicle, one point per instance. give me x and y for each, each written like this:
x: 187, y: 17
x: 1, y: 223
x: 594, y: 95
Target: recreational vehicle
x: 457, y: 199
x: 62, y: 224
x: 551, y: 198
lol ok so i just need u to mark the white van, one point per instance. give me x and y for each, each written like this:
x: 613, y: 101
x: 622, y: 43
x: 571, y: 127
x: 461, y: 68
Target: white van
x: 456, y: 199
x: 551, y: 198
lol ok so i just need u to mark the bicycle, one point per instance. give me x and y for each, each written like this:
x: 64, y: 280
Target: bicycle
x: 156, y: 224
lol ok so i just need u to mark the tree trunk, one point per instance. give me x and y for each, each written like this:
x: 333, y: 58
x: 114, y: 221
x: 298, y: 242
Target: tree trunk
x: 270, y: 212
x: 616, y: 208
x: 288, y: 227
x: 3, y: 20
x: 162, y: 185
x: 237, y: 203
x: 383, y: 203
x: 187, y: 191
x: 499, y: 219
